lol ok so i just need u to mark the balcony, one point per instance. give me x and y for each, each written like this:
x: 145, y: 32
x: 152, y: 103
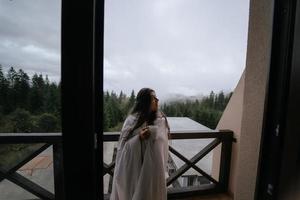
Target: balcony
x: 212, y: 189
x: 244, y: 115
x: 211, y: 185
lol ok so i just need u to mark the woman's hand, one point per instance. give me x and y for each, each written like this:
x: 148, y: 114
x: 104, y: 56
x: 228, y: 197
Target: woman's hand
x: 144, y: 133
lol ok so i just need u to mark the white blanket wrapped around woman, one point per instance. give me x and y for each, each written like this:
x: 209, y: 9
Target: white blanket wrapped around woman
x: 141, y: 164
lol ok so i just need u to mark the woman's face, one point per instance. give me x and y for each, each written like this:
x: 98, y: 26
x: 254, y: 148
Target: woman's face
x: 154, y: 102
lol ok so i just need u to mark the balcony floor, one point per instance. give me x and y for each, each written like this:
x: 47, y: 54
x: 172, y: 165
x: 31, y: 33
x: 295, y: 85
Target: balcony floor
x: 211, y: 197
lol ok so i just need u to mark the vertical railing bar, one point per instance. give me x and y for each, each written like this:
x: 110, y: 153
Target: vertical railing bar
x: 225, y: 161
x: 58, y: 171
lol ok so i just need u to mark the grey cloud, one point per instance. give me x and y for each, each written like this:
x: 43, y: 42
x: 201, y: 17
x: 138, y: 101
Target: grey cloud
x: 30, y: 36
x: 190, y: 46
x: 186, y: 46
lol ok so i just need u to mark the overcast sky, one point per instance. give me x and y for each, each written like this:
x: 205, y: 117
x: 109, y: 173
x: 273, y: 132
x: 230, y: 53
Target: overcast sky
x: 185, y: 47
x: 175, y: 46
x: 30, y: 36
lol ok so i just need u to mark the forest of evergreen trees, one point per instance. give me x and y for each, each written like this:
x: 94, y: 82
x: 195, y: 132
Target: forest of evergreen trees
x: 206, y: 111
x: 32, y: 104
x: 28, y: 104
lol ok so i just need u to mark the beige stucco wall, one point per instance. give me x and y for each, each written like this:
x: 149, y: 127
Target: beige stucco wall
x: 244, y: 113
x: 256, y: 77
x: 232, y: 120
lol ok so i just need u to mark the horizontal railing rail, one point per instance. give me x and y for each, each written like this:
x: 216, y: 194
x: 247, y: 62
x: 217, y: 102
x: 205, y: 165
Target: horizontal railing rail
x: 18, y: 138
x: 180, y: 135
x: 223, y: 137
x: 48, y: 139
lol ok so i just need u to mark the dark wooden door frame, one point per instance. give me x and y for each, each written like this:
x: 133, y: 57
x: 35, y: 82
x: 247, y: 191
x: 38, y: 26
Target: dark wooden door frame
x: 276, y: 128
x: 289, y: 179
x: 82, y: 56
x: 98, y: 75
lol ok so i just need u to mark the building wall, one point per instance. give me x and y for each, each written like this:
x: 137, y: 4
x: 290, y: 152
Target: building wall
x: 247, y: 120
x: 232, y: 120
x: 256, y: 77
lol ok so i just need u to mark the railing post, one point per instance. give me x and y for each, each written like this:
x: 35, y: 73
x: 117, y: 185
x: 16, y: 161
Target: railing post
x: 225, y: 160
x: 58, y: 171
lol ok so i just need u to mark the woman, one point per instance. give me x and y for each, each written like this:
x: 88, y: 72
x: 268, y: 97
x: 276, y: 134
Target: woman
x: 142, y: 152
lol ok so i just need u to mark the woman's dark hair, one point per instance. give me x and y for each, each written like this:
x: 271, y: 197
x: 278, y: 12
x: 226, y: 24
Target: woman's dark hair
x: 142, y: 108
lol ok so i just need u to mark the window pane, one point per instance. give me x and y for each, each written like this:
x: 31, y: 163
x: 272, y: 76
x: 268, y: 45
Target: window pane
x: 29, y: 93
x: 30, y: 66
x: 192, y: 53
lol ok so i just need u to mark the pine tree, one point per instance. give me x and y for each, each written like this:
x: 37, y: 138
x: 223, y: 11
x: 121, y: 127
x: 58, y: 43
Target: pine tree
x: 11, y: 76
x: 37, y: 94
x: 211, y: 99
x: 11, y: 94
x: 22, y: 89
x: 121, y: 98
x: 51, y: 104
x: 131, y: 100
x: 221, y: 101
x: 4, y: 87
